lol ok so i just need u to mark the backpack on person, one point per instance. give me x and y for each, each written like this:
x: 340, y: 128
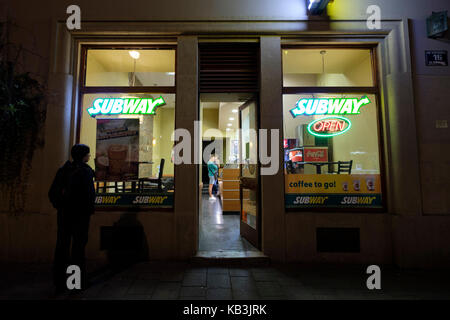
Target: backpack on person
x: 61, y: 190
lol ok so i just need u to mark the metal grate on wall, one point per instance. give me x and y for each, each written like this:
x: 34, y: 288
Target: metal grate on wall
x: 229, y: 67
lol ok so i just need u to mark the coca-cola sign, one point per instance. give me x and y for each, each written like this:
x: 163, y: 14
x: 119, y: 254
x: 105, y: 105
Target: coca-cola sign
x: 315, y: 154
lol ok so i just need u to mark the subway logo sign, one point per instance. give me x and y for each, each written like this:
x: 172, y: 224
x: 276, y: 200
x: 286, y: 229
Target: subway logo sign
x: 109, y: 106
x: 331, y: 106
x: 333, y: 200
x: 159, y: 200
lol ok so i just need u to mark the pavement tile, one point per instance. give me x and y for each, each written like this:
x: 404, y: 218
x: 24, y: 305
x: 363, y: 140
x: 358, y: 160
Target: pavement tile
x: 269, y: 289
x: 149, y: 275
x: 166, y: 291
x: 245, y: 294
x: 142, y: 287
x: 263, y: 270
x: 172, y: 276
x: 263, y: 276
x: 191, y: 269
x: 93, y: 291
x: 137, y: 297
x: 112, y: 291
x: 218, y: 281
x: 243, y: 283
x: 239, y: 272
x: 192, y: 292
x: 217, y: 270
x: 219, y: 294
x: 194, y: 279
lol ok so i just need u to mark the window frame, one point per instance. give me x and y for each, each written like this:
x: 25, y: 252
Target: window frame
x: 374, y: 90
x: 83, y: 89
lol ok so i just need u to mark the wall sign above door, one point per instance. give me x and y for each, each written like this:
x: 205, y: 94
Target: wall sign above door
x: 112, y: 106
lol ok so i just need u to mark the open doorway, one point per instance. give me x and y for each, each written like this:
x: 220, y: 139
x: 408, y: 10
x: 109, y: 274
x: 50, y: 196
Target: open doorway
x: 224, y: 213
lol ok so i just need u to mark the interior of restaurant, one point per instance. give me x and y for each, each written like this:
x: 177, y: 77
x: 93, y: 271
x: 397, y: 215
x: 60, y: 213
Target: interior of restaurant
x: 219, y: 218
x: 359, y: 145
x: 131, y: 152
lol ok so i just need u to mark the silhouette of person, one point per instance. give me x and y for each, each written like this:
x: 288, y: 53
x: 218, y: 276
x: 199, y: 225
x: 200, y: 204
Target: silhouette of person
x: 72, y: 193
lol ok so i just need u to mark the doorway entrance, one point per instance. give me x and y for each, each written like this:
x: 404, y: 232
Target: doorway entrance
x: 229, y: 220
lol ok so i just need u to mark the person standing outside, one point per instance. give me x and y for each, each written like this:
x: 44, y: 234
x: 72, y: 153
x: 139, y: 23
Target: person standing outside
x: 213, y: 170
x: 72, y: 193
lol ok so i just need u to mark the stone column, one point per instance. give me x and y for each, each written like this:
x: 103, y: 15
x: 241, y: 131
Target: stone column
x: 271, y: 117
x: 186, y: 175
x: 59, y: 111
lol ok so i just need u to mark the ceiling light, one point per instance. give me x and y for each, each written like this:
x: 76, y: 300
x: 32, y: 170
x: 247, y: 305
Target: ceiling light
x: 231, y: 118
x: 229, y: 124
x: 134, y: 54
x: 170, y: 73
x: 234, y: 110
x: 228, y: 129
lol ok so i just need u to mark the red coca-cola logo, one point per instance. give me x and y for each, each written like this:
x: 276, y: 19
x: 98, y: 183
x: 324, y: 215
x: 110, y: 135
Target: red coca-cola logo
x: 316, y: 155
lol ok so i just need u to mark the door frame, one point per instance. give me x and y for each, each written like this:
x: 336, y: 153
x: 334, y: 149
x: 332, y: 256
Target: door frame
x: 251, y: 235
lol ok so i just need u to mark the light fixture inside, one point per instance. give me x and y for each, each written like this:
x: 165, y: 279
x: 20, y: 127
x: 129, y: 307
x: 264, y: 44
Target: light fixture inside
x: 229, y: 124
x: 234, y: 110
x: 134, y: 54
x: 231, y: 118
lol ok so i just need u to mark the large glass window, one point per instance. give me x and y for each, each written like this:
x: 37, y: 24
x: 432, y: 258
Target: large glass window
x: 130, y: 132
x: 327, y: 68
x: 331, y: 146
x: 134, y: 67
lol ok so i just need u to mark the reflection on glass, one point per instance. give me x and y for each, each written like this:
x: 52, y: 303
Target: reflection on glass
x: 249, y: 146
x: 249, y: 153
x: 249, y: 207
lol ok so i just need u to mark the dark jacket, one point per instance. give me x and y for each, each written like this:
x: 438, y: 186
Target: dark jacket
x: 72, y: 189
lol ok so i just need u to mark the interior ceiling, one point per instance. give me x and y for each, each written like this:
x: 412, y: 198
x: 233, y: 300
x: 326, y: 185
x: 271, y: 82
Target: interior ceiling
x: 225, y: 113
x: 121, y: 61
x: 310, y: 60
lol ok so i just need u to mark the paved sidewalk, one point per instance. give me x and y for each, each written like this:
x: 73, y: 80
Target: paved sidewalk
x: 155, y: 280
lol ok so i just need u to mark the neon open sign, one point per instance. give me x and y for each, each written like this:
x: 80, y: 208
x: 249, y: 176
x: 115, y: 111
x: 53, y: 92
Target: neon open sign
x: 329, y: 126
x: 339, y: 106
x: 111, y: 106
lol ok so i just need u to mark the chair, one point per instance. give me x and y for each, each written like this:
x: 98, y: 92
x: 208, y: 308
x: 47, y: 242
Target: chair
x: 152, y: 183
x: 345, y: 167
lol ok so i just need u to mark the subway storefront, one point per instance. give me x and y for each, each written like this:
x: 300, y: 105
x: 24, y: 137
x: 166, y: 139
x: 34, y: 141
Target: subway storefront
x: 328, y: 129
x: 310, y: 123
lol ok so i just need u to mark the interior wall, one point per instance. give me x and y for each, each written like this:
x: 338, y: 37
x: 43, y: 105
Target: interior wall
x: 360, y: 143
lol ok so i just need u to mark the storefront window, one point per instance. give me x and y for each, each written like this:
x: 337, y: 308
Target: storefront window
x: 331, y: 150
x: 143, y: 67
x: 129, y: 135
x: 327, y: 68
